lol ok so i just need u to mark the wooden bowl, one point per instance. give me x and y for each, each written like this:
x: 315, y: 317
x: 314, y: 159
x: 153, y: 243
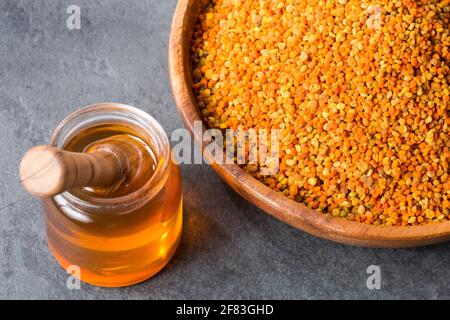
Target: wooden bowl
x: 272, y: 202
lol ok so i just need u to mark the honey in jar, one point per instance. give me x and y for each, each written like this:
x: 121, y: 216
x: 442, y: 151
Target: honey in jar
x: 124, y: 232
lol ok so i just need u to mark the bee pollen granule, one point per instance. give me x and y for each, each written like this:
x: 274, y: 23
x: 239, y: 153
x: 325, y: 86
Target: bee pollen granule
x: 359, y: 91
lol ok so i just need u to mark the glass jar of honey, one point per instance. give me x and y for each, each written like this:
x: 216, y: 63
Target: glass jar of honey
x: 123, y: 234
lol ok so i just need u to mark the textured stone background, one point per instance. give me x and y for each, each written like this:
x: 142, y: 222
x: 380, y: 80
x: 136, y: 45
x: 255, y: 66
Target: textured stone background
x: 229, y: 248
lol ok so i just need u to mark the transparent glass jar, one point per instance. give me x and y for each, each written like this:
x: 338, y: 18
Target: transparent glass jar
x: 124, y: 240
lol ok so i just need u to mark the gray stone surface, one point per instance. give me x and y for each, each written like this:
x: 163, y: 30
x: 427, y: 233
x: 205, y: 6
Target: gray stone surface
x: 229, y: 249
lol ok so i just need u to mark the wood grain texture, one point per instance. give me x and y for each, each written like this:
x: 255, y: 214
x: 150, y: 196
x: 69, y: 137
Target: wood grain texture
x: 46, y: 171
x: 272, y: 202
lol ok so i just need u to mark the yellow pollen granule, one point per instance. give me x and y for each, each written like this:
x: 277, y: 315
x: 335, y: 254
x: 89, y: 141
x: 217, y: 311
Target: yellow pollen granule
x: 359, y: 89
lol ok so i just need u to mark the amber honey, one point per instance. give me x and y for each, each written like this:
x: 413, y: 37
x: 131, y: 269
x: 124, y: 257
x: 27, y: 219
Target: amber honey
x: 124, y: 233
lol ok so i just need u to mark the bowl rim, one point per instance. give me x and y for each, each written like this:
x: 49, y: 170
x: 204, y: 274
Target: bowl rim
x: 272, y: 202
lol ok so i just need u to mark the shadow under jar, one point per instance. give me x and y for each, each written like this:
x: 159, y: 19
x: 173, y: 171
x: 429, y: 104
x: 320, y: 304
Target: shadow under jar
x: 121, y: 237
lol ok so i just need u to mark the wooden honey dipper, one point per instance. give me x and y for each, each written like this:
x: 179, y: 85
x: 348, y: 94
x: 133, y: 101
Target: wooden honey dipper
x: 46, y: 171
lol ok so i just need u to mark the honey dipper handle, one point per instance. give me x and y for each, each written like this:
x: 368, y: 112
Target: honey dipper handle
x: 46, y: 171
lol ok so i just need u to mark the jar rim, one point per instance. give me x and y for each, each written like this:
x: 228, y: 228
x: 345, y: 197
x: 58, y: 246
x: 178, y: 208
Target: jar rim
x: 111, y: 113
